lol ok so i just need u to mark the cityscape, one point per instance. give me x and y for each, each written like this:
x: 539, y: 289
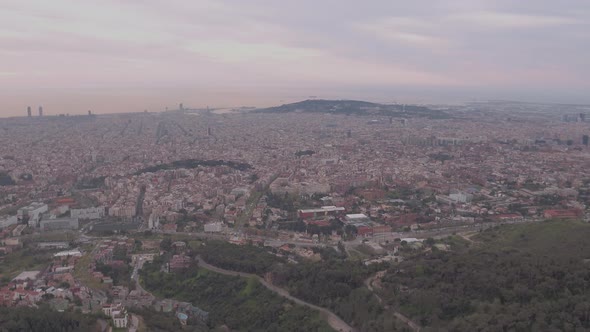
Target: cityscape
x: 294, y: 166
x: 89, y: 199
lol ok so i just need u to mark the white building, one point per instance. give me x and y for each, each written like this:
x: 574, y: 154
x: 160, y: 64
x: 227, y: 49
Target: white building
x: 356, y: 218
x: 215, y: 227
x: 154, y: 221
x: 461, y: 197
x: 118, y: 313
x: 73, y: 253
x: 89, y: 213
x: 33, y: 211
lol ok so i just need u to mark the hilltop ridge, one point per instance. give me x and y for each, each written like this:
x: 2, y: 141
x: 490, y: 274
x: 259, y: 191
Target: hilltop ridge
x: 354, y: 107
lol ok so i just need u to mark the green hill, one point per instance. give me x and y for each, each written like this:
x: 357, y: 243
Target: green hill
x: 532, y: 277
x: 355, y: 107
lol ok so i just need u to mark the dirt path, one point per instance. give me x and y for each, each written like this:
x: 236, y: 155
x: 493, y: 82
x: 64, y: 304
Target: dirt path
x: 335, y: 322
x: 467, y: 236
x: 369, y: 283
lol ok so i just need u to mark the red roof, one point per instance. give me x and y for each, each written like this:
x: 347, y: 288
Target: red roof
x: 569, y: 214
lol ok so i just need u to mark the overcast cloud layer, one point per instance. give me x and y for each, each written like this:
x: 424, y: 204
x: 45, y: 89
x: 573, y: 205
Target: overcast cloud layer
x: 109, y: 56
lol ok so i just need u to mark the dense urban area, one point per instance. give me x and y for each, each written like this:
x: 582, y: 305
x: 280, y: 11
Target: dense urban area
x: 314, y: 216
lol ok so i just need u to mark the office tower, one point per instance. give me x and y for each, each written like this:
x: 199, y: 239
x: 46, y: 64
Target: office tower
x: 29, y: 111
x: 208, y: 131
x: 89, y: 112
x: 349, y: 133
x: 40, y: 110
x: 181, y: 107
x: 585, y: 140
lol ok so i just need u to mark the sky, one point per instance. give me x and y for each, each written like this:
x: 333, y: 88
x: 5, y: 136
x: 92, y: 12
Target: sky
x: 128, y: 56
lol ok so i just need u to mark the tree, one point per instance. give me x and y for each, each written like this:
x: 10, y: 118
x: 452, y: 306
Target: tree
x: 166, y: 244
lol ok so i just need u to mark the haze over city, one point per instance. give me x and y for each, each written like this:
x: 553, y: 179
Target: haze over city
x: 127, y: 57
x: 294, y: 166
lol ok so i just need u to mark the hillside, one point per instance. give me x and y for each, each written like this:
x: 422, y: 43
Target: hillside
x: 514, y: 278
x: 354, y: 107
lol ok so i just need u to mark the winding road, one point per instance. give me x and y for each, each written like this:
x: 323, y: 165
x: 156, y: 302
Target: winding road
x: 335, y: 322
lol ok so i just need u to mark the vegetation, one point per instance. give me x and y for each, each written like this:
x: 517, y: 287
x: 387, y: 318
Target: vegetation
x: 334, y: 283
x: 82, y: 273
x: 21, y: 260
x: 90, y: 183
x: 6, y: 179
x: 164, y: 322
x: 442, y: 157
x: 304, y: 153
x: 516, y: 278
x: 248, y: 258
x: 194, y: 163
x: 241, y: 304
x: 120, y: 273
x: 24, y: 319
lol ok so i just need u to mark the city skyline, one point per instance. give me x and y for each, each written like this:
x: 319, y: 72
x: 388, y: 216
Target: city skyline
x: 113, y: 57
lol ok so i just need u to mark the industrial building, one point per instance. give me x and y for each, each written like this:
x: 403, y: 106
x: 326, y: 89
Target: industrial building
x: 49, y: 225
x: 321, y: 212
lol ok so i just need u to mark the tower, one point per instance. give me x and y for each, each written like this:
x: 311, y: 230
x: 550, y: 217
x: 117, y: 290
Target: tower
x: 181, y: 107
x: 585, y: 140
x: 40, y: 110
x: 349, y: 133
x: 89, y: 112
x: 29, y: 111
x: 208, y: 131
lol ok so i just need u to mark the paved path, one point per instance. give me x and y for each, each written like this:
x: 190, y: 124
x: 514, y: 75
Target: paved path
x: 335, y: 322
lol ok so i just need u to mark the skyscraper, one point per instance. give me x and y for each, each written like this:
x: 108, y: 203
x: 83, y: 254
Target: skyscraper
x: 585, y: 140
x: 40, y: 110
x: 29, y: 111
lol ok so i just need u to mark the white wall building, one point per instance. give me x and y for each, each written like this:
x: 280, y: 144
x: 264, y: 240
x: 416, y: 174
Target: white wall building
x: 89, y: 213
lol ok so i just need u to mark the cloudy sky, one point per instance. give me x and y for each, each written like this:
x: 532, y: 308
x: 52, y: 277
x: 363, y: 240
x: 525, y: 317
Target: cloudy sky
x: 125, y: 56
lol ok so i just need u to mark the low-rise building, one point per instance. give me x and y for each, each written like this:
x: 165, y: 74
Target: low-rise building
x: 57, y: 224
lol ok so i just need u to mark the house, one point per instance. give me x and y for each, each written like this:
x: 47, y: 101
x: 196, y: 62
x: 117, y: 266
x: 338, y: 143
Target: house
x: 118, y: 314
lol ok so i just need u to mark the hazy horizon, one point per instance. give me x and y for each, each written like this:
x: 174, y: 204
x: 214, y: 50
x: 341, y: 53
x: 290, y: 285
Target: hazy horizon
x: 112, y: 57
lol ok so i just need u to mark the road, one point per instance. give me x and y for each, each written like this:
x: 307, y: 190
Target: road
x: 135, y: 274
x: 335, y: 322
